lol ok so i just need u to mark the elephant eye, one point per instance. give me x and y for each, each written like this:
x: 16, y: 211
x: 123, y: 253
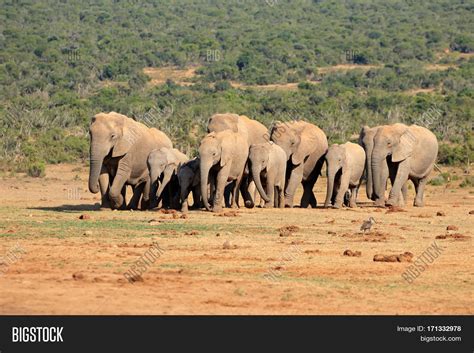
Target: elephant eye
x: 113, y: 136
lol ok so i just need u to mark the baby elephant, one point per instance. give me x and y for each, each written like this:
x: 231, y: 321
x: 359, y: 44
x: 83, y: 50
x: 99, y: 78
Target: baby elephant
x: 189, y: 180
x: 163, y: 165
x: 345, y: 166
x: 268, y: 166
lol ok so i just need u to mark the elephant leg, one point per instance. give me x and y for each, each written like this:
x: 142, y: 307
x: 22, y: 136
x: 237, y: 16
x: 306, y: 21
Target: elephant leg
x: 380, y: 199
x: 137, y: 193
x: 197, y: 203
x: 343, y: 187
x: 352, y: 202
x: 104, y: 180
x: 420, y: 190
x: 245, y: 189
x: 228, y: 195
x: 400, y: 179
x: 403, y: 197
x: 235, y: 193
x: 308, y: 198
x: 270, y: 193
x: 117, y: 199
x: 221, y: 181
x: 145, y: 204
x: 296, y: 176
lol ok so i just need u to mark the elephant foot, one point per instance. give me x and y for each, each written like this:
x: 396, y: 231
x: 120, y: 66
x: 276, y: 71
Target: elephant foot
x: 217, y: 209
x: 379, y: 203
x: 249, y: 204
x: 392, y: 202
x: 418, y: 203
x: 268, y: 205
x: 337, y: 205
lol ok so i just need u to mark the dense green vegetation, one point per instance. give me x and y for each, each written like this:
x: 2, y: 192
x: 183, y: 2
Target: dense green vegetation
x: 62, y: 61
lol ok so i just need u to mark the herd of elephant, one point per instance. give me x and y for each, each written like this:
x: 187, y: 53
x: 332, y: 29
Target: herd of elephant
x: 239, y: 155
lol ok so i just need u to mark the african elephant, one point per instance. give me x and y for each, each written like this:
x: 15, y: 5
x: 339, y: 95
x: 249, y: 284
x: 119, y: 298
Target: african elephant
x: 413, y: 149
x: 305, y: 145
x: 389, y: 170
x: 223, y: 156
x: 190, y: 181
x: 163, y: 165
x: 345, y: 166
x: 251, y: 130
x: 119, y: 148
x: 268, y: 162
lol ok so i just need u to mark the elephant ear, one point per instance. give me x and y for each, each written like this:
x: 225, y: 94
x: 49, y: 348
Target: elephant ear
x: 404, y: 149
x: 226, y: 149
x: 307, y: 143
x: 131, y: 133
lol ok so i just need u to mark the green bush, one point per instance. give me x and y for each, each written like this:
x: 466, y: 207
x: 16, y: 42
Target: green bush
x: 36, y: 170
x: 467, y: 182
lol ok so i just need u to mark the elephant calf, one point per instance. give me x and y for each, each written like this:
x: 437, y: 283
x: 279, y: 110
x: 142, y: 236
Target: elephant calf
x: 223, y: 156
x: 345, y: 166
x: 268, y: 164
x: 163, y: 165
x: 189, y: 180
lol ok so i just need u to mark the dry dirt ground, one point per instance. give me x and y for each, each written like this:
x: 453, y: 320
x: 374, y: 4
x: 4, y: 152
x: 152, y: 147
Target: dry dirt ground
x: 214, y: 264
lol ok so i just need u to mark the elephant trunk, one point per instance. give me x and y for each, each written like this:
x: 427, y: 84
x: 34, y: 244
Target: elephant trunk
x: 256, y: 171
x: 96, y: 161
x: 378, y: 184
x: 369, y: 188
x: 167, y: 174
x: 331, y: 175
x: 204, y: 169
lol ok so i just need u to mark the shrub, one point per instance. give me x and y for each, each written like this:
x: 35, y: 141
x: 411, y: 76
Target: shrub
x: 467, y: 182
x: 36, y: 170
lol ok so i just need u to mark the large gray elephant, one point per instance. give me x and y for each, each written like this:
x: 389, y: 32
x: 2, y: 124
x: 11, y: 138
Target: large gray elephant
x: 268, y: 162
x: 190, y: 181
x: 389, y: 169
x: 413, y: 149
x: 223, y: 156
x: 251, y: 130
x: 119, y: 149
x: 305, y: 145
x: 163, y: 165
x: 345, y: 166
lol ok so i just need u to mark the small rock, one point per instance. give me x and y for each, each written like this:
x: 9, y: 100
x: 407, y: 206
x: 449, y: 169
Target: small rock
x: 84, y: 216
x: 440, y: 213
x: 184, y: 216
x: 471, y: 212
x: 78, y: 276
x: 352, y: 253
x: 88, y: 232
x: 154, y: 222
x: 226, y: 245
x: 331, y: 232
x: 218, y: 234
x: 451, y: 227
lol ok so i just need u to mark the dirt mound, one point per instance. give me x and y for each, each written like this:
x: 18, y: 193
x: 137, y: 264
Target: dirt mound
x: 227, y: 214
x: 455, y: 236
x: 352, y: 253
x: 84, y: 216
x: 451, y: 227
x: 440, y: 214
x: 165, y: 211
x: 286, y: 231
x: 405, y: 257
x: 393, y: 209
